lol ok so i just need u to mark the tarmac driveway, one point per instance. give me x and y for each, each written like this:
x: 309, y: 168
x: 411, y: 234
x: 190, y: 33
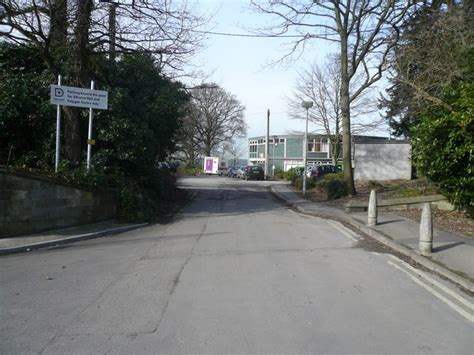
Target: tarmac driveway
x: 236, y: 272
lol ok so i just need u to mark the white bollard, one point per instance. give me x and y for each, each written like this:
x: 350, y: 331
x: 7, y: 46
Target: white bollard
x: 372, y: 215
x: 426, y: 230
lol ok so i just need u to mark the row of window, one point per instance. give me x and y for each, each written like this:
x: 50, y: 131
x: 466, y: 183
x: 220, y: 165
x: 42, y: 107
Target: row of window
x: 270, y: 141
x: 314, y: 145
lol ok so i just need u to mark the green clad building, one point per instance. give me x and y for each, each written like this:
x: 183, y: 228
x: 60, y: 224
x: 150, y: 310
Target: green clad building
x: 286, y: 151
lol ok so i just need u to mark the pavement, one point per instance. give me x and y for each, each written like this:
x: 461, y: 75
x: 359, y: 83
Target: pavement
x: 452, y: 256
x: 62, y: 236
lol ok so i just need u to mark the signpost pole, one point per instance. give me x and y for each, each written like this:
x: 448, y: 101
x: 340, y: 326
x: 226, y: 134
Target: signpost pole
x: 89, y: 135
x: 58, y: 132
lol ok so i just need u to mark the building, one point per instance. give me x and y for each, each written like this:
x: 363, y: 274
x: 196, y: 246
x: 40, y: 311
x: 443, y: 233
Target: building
x: 374, y: 158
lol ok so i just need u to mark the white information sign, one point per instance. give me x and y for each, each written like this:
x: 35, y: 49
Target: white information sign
x: 78, y: 97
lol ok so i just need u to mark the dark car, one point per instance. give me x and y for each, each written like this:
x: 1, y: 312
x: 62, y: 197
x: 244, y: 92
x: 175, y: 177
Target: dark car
x: 318, y: 171
x: 253, y: 173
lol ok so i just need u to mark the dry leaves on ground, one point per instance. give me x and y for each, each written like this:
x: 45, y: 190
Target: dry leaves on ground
x: 457, y: 222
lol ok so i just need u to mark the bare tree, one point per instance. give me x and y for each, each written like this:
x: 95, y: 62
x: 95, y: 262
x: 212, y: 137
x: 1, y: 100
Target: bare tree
x: 365, y: 31
x: 187, y: 140
x: 234, y: 151
x: 321, y: 84
x: 165, y: 28
x: 68, y: 32
x: 218, y: 116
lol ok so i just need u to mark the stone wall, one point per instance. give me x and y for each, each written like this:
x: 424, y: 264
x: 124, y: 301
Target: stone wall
x: 389, y: 160
x: 31, y: 204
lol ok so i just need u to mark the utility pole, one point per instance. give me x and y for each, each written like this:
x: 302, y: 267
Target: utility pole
x: 267, y: 150
x: 112, y: 27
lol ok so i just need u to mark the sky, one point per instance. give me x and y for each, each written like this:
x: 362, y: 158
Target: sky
x: 242, y: 66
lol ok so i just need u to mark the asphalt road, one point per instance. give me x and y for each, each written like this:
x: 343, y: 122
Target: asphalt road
x: 236, y: 272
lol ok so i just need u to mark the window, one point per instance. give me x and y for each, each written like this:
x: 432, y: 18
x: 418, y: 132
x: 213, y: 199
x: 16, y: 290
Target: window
x: 318, y: 145
x: 314, y: 145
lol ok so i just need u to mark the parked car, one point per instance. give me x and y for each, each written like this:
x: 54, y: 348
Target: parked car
x: 241, y: 172
x: 222, y: 170
x: 162, y: 165
x: 253, y: 173
x: 232, y: 172
x: 318, y: 171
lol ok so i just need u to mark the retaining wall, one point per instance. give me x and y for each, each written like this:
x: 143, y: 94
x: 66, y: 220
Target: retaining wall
x: 31, y: 204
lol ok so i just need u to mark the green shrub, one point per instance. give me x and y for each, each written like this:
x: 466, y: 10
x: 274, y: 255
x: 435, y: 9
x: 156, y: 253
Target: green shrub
x: 310, y: 183
x: 292, y: 174
x: 289, y: 174
x: 140, y: 198
x: 333, y: 185
x: 190, y: 170
x: 443, y: 147
x: 279, y: 173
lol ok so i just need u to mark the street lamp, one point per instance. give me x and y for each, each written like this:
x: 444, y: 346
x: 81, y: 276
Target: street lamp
x: 307, y: 105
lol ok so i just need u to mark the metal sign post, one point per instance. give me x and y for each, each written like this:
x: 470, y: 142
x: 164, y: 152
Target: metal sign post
x: 77, y: 97
x: 58, y: 132
x: 89, y: 135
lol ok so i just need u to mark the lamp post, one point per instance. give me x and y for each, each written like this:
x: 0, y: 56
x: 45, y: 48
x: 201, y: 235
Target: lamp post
x: 307, y: 105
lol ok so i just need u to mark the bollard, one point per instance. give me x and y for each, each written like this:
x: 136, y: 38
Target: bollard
x: 426, y: 230
x: 372, y: 215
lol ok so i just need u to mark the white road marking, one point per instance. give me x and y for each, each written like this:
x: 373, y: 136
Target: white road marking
x: 452, y: 305
x: 347, y: 232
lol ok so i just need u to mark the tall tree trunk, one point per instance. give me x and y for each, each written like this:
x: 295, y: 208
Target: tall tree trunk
x: 191, y: 158
x: 346, y: 118
x: 72, y: 135
x: 337, y: 142
x: 78, y: 77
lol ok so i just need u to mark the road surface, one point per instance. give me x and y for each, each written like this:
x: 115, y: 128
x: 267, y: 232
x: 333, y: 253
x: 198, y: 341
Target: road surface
x: 236, y: 272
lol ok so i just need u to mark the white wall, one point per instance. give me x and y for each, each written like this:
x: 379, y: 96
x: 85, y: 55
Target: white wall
x: 382, y: 161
